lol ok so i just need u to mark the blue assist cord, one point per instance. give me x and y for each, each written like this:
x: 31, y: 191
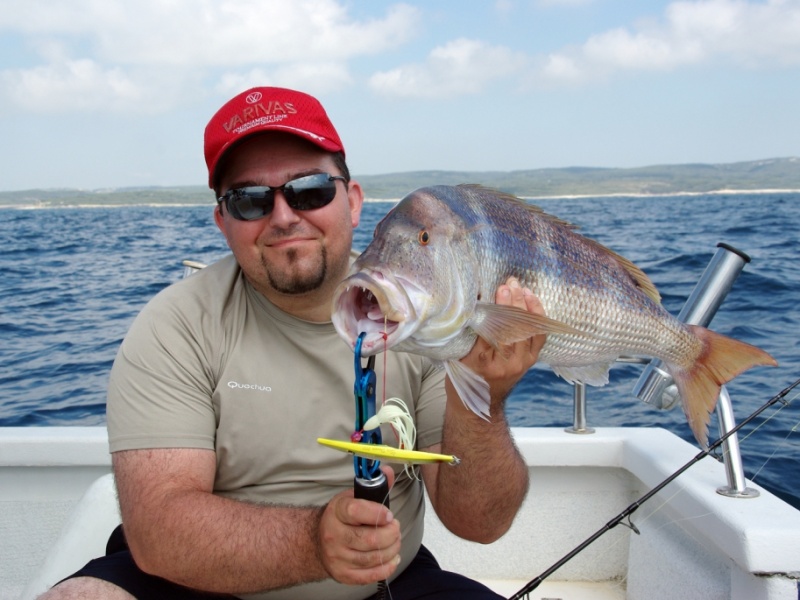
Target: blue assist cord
x: 369, y: 483
x: 364, y: 391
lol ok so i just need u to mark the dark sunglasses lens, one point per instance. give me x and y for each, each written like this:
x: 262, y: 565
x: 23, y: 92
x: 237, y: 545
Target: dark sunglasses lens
x: 308, y: 193
x: 304, y: 193
x: 249, y: 204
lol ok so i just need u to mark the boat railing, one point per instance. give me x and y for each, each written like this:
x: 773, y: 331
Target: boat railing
x: 656, y: 387
x: 191, y: 266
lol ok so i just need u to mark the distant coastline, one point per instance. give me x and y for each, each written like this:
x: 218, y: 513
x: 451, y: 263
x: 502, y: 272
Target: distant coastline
x: 210, y: 205
x: 725, y: 192
x: 771, y: 176
x: 629, y: 195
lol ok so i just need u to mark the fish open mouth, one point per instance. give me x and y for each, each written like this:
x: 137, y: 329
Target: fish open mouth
x: 375, y: 305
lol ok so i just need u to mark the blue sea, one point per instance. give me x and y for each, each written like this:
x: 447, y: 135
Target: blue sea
x: 74, y: 278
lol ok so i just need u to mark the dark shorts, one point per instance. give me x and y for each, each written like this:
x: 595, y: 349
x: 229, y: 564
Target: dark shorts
x: 423, y: 579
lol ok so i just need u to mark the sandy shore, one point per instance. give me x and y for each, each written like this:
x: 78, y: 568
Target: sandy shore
x: 632, y: 195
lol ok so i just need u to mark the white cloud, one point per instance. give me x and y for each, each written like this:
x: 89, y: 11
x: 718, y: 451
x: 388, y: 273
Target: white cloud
x: 507, y: 6
x: 459, y: 67
x: 688, y: 33
x: 236, y: 32
x: 563, y: 2
x: 213, y: 32
x: 148, y: 55
x: 85, y: 85
x: 748, y: 34
x: 97, y: 53
x: 314, y: 78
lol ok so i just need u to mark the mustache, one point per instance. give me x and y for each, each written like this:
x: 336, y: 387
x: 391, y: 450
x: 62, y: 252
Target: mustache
x: 281, y: 234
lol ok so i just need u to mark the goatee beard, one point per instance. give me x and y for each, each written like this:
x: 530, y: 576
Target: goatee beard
x: 295, y: 283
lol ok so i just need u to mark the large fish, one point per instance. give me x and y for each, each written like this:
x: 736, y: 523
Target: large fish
x: 426, y: 285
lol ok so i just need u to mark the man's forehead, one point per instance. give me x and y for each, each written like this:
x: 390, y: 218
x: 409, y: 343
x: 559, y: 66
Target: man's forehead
x: 274, y: 155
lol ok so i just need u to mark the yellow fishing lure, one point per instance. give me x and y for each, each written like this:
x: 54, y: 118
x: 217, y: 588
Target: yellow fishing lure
x: 388, y: 453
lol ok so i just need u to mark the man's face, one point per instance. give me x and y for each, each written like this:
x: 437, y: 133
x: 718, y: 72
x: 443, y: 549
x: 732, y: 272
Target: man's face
x: 289, y: 254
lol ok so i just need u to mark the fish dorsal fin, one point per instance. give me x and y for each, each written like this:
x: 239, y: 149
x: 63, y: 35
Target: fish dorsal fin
x: 476, y: 188
x: 639, y: 277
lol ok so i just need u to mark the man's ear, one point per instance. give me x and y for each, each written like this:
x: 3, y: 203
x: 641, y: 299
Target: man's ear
x: 355, y: 196
x: 219, y: 219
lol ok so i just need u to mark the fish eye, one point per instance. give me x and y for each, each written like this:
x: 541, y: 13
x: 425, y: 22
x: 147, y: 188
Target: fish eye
x: 423, y: 237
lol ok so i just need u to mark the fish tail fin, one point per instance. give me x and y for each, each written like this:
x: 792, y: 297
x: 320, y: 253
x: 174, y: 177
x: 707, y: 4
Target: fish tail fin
x: 721, y: 359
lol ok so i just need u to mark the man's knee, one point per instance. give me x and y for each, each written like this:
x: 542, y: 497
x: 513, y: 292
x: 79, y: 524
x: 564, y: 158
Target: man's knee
x: 86, y: 588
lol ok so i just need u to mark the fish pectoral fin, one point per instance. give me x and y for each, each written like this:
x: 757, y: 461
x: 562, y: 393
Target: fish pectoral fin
x: 596, y: 374
x: 471, y: 387
x: 499, y: 324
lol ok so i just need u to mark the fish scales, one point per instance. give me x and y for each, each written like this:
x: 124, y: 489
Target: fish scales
x: 426, y: 284
x: 561, y: 271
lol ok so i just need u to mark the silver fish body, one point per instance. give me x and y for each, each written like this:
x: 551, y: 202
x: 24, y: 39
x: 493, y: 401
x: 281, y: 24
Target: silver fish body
x: 426, y: 285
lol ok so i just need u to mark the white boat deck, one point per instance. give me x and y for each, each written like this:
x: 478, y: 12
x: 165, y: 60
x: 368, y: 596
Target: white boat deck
x: 561, y: 590
x: 694, y: 543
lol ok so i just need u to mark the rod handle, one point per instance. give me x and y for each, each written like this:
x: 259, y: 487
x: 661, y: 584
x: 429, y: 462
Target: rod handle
x: 375, y: 490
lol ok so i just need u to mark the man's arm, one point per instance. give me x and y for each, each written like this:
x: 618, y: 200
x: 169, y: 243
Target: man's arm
x: 177, y: 529
x: 478, y: 499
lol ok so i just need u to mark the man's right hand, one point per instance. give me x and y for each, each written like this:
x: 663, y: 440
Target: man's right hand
x: 359, y: 540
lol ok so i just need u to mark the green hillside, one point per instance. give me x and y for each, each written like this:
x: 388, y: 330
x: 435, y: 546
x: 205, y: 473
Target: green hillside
x: 772, y: 174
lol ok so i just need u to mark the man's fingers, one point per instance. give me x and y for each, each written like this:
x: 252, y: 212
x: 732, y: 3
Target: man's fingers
x: 374, y: 567
x: 532, y: 303
x: 360, y: 540
x: 389, y: 472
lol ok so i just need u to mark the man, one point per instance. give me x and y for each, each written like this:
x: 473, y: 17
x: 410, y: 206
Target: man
x: 227, y: 378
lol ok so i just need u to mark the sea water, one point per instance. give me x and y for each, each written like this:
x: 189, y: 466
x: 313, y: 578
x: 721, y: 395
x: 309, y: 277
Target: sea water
x: 74, y: 278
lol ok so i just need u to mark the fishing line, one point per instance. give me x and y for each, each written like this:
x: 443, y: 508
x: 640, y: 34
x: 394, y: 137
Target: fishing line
x: 620, y: 519
x: 779, y: 446
x: 772, y: 416
x: 680, y: 489
x: 383, y: 592
x: 385, y: 355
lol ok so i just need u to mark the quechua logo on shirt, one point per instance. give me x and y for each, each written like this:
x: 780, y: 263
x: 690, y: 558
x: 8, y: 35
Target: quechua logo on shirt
x: 235, y: 385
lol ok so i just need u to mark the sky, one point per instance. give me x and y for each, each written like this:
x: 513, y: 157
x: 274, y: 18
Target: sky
x: 99, y: 94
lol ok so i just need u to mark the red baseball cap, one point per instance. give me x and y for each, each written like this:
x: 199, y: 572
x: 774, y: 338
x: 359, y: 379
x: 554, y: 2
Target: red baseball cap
x: 267, y: 109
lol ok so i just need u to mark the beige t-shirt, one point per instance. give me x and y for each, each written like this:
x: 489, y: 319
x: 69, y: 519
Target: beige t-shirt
x: 210, y: 363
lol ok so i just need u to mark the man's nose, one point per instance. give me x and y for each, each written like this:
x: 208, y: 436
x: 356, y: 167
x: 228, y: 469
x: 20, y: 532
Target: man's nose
x: 282, y: 214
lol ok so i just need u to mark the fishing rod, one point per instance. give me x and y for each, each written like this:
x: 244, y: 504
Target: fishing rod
x: 625, y: 514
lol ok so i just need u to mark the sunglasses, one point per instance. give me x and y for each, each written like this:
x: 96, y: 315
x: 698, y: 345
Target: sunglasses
x: 304, y: 193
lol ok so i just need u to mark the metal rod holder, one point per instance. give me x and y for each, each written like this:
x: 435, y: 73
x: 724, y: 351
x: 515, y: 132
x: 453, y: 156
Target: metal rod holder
x: 731, y: 456
x: 579, y: 411
x: 655, y: 385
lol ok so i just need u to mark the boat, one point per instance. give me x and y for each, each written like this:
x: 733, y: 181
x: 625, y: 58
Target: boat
x: 652, y: 519
x: 691, y: 542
